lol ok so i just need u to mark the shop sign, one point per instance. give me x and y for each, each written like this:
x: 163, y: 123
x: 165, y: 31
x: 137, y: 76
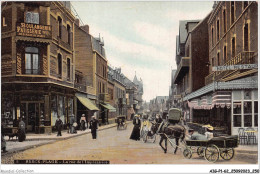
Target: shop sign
x: 177, y: 96
x: 235, y: 67
x: 33, y: 30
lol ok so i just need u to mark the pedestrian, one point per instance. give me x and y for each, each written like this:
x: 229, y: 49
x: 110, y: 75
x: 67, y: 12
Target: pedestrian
x: 135, y: 135
x: 93, y: 125
x: 58, y: 125
x: 196, y: 136
x: 72, y: 120
x: 3, y: 142
x: 82, y: 122
x: 21, y: 130
x: 208, y: 132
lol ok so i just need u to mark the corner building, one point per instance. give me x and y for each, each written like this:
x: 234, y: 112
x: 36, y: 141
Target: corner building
x: 37, y: 64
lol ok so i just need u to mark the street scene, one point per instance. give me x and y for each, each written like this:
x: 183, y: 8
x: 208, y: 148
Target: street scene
x: 129, y: 82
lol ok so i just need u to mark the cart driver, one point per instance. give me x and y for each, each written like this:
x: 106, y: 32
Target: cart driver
x: 196, y: 135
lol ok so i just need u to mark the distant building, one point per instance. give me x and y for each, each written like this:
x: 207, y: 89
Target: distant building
x: 138, y: 101
x: 158, y: 105
x: 131, y: 91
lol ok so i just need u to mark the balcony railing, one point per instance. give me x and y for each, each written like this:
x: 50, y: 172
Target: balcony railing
x: 241, y: 58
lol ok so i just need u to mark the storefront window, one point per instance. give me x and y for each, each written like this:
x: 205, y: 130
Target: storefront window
x: 248, y: 120
x: 61, y: 111
x: 248, y: 114
x: 237, y: 108
x: 237, y: 120
x: 7, y: 110
x: 54, y: 112
x: 70, y: 106
x: 256, y: 113
x: 237, y: 114
x: 247, y: 107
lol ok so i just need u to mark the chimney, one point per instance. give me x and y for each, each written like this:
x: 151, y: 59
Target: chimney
x: 214, y: 5
x: 85, y: 28
x: 77, y: 22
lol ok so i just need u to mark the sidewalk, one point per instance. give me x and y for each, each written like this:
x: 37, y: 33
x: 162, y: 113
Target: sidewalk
x: 35, y: 140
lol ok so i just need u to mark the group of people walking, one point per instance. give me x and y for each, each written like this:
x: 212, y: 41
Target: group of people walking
x: 136, y: 133
x: 93, y: 125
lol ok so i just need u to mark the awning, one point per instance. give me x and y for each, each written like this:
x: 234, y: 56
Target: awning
x: 109, y: 107
x: 86, y: 102
x: 219, y: 99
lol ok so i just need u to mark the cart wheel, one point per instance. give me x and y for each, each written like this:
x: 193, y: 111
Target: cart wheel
x: 200, y: 151
x: 227, y: 153
x: 187, y: 153
x: 211, y: 153
x: 145, y: 137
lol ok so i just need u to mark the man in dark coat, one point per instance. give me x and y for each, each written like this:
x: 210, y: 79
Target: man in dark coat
x: 93, y: 125
x: 58, y: 125
x: 21, y: 131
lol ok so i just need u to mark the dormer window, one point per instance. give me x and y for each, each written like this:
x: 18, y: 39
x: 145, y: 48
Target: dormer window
x: 32, y: 18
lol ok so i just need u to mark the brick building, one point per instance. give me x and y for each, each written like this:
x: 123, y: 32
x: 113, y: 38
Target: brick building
x: 37, y: 64
x: 230, y: 93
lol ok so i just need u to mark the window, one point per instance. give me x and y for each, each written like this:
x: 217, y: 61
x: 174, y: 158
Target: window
x: 218, y: 59
x: 246, y: 37
x: 59, y: 65
x: 237, y: 114
x: 224, y: 21
x: 60, y: 26
x: 31, y: 60
x: 232, y: 12
x: 68, y: 30
x: 4, y: 22
x: 233, y: 47
x: 212, y: 36
x: 218, y: 30
x: 225, y: 54
x: 245, y: 4
x: 256, y: 113
x: 213, y: 63
x: 248, y: 114
x: 31, y: 17
x: 68, y: 68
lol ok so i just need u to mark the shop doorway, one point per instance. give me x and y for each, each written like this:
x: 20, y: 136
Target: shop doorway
x: 32, y: 113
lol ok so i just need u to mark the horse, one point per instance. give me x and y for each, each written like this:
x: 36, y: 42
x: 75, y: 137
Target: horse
x: 171, y: 131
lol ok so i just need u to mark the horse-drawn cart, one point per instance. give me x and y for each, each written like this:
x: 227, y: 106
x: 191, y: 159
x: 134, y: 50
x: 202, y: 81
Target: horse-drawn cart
x: 121, y: 122
x: 213, y: 148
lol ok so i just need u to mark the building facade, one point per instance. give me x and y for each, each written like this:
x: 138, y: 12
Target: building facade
x: 230, y: 94
x: 85, y: 72
x: 131, y: 89
x: 37, y: 64
x: 138, y: 101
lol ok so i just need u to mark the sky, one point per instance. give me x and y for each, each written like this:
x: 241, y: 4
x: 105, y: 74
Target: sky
x: 140, y: 37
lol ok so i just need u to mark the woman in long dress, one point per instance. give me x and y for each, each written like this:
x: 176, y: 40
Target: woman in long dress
x: 136, y: 130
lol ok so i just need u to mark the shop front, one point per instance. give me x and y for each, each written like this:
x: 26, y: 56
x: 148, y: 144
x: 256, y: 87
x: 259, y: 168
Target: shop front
x: 37, y: 104
x: 85, y: 106
x: 104, y: 113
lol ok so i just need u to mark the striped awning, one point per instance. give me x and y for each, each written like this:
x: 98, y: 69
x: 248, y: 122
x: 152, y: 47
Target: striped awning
x: 219, y: 99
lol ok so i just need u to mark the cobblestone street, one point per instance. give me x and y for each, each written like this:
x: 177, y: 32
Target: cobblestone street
x: 115, y: 146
